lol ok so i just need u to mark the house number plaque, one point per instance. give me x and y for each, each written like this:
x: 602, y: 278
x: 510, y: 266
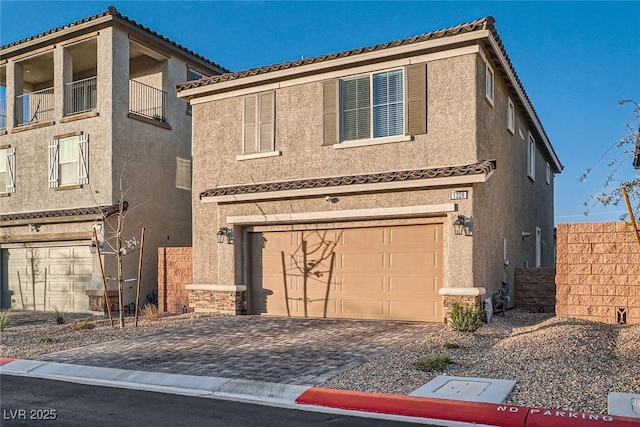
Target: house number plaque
x: 459, y: 195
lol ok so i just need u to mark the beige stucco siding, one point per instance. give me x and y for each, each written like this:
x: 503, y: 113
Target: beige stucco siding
x: 512, y: 203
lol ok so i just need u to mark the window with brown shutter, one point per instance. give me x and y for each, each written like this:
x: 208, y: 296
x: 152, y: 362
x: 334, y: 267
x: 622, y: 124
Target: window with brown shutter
x: 416, y: 99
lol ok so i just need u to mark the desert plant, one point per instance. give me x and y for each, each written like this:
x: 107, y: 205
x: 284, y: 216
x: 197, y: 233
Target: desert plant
x: 4, y: 319
x: 465, y: 319
x: 451, y: 345
x: 46, y: 340
x: 61, y: 314
x: 435, y: 363
x: 150, y: 312
x: 84, y: 325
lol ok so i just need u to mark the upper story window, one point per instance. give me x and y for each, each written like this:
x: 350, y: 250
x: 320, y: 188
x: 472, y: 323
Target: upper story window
x: 258, y: 123
x: 376, y: 106
x: 373, y: 105
x: 489, y: 83
x: 69, y: 161
x: 193, y: 75
x: 7, y: 170
x: 548, y: 173
x: 511, y: 117
x: 531, y: 158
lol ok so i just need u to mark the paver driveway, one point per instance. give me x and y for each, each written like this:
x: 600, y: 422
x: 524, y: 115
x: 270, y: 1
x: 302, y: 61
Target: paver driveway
x: 281, y: 350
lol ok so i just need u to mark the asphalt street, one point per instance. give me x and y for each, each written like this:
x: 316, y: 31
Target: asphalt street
x: 37, y: 402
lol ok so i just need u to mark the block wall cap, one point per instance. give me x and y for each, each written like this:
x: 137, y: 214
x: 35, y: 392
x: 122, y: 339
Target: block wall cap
x: 462, y: 291
x: 215, y: 287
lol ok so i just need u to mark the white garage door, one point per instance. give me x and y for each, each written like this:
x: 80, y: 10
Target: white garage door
x: 365, y: 273
x: 55, y: 276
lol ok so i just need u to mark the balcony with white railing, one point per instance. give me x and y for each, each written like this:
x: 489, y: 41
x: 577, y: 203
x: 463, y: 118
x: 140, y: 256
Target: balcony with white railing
x: 80, y: 96
x: 3, y: 114
x: 36, y: 107
x: 147, y: 101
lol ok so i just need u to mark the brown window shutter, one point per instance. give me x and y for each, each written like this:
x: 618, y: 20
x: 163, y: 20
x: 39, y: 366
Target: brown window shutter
x: 266, y: 105
x: 416, y: 104
x: 330, y: 115
x: 249, y: 124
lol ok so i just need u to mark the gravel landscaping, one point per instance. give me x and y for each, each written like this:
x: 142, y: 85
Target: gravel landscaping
x: 557, y: 362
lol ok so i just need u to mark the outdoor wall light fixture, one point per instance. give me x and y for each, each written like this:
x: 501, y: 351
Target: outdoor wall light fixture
x: 225, y: 232
x: 463, y: 224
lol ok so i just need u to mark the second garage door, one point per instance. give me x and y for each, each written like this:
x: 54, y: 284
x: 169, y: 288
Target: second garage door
x: 362, y: 273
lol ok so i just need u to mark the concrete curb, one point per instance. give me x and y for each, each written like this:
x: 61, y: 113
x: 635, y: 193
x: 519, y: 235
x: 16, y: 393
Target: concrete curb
x: 409, y: 408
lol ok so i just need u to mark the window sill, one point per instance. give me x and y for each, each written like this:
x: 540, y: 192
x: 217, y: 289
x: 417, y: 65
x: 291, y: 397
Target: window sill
x: 375, y: 141
x: 79, y: 116
x: 68, y: 187
x: 489, y: 100
x: 511, y: 131
x: 3, y: 132
x: 33, y: 126
x: 5, y: 194
x: 258, y: 155
x: 531, y: 178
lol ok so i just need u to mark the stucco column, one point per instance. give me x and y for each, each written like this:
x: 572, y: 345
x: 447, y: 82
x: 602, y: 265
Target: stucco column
x: 62, y: 74
x: 14, y: 88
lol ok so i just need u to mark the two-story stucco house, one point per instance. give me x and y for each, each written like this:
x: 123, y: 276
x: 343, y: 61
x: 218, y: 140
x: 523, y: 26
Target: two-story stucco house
x: 375, y: 183
x: 90, y: 118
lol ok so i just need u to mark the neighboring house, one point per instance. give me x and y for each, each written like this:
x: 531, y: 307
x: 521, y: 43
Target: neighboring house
x: 87, y: 104
x: 340, y: 180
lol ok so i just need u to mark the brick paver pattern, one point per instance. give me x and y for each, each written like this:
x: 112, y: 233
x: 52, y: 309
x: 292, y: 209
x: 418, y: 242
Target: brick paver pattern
x: 280, y: 350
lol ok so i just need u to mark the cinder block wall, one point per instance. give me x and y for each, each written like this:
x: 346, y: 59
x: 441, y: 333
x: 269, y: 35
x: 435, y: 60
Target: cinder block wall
x: 535, y: 289
x: 598, y: 272
x: 175, y: 270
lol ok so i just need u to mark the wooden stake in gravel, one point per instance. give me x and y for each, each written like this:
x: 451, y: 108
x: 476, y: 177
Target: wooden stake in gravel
x: 139, y: 275
x: 104, y: 280
x: 631, y: 216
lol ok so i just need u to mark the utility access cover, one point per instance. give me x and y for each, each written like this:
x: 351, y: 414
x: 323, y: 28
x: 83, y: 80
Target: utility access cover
x: 468, y: 389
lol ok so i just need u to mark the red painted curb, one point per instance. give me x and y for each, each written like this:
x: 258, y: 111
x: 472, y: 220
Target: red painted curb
x: 558, y: 418
x: 441, y: 409
x: 5, y: 360
x: 456, y: 410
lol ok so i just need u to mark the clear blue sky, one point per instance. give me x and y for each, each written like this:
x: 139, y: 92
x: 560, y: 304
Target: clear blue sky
x: 575, y: 59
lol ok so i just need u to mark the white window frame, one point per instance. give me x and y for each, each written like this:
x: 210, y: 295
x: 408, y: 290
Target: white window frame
x: 531, y: 157
x: 489, y: 83
x: 548, y: 174
x: 371, y: 137
x: 8, y: 160
x: 83, y: 161
x: 511, y: 116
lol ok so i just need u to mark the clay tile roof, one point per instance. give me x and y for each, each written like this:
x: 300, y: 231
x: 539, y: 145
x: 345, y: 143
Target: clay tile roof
x: 114, y: 12
x: 105, y: 210
x: 478, y: 24
x: 479, y: 168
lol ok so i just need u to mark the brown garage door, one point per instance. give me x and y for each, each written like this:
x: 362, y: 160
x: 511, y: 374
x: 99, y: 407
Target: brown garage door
x: 363, y: 273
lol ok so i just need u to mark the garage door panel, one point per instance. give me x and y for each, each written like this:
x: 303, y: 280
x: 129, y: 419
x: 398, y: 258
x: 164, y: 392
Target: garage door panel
x: 363, y: 238
x: 82, y: 269
x: 354, y: 285
x: 419, y: 287
x: 59, y: 253
x: 60, y: 287
x: 365, y: 309
x: 422, y: 237
x: 378, y: 273
x: 361, y: 262
x: 415, y: 262
x: 413, y: 309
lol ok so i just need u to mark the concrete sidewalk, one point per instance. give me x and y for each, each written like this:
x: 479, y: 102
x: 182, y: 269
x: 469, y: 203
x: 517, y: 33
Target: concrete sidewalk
x: 407, y: 408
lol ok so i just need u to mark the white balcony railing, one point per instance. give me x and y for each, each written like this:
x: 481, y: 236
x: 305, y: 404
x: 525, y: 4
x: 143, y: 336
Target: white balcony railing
x: 80, y: 96
x: 147, y: 101
x: 36, y: 106
x: 3, y: 114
